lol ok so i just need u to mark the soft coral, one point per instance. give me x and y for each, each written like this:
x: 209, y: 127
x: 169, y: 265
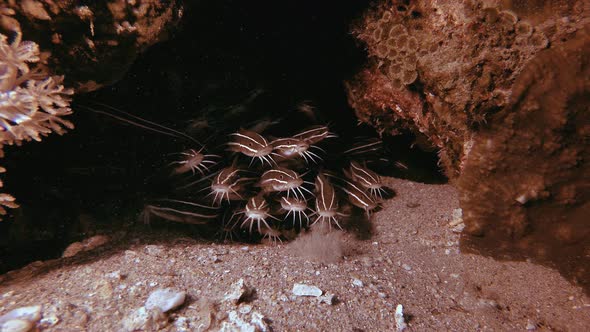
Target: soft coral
x: 32, y: 103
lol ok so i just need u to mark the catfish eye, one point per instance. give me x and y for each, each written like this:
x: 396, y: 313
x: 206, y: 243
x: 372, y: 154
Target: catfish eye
x: 250, y: 144
x: 281, y: 176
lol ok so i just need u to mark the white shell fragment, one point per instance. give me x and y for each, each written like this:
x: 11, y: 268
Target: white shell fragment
x: 236, y: 323
x: 165, y: 299
x: 31, y: 314
x: 20, y: 319
x: 16, y: 325
x: 306, y: 290
x: 400, y: 323
x: 456, y: 217
x: 239, y: 322
x: 258, y: 321
x: 522, y: 199
x: 356, y: 282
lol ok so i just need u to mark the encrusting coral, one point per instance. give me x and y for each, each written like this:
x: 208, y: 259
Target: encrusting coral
x: 32, y: 103
x: 442, y: 69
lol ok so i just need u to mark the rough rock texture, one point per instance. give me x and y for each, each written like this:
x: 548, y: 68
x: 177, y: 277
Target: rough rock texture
x: 526, y: 183
x: 441, y: 69
x: 501, y: 89
x: 92, y: 43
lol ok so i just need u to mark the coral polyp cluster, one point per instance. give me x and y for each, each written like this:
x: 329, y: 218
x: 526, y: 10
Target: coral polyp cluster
x: 389, y: 40
x: 440, y: 69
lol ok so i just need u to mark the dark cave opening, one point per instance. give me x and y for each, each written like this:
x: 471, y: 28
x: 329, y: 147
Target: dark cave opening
x: 266, y: 57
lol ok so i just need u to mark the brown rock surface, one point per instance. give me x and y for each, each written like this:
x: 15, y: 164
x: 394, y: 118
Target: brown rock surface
x: 92, y: 43
x: 442, y: 69
x: 501, y: 90
x: 525, y: 188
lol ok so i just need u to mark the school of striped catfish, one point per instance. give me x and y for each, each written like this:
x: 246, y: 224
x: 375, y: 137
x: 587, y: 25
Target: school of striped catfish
x: 257, y: 186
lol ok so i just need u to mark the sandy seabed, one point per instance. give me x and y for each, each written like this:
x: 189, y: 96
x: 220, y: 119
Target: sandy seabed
x: 411, y: 257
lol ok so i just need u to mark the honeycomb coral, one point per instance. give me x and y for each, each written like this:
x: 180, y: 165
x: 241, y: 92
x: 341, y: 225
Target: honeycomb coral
x: 390, y: 41
x: 525, y: 188
x: 523, y: 29
x: 459, y: 59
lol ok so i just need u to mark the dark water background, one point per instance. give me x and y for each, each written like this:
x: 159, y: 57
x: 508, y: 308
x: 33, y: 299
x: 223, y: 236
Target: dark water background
x: 99, y: 175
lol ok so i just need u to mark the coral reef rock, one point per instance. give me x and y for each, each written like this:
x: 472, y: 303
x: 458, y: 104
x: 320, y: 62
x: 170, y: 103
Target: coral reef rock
x: 92, y: 42
x: 442, y: 69
x: 525, y: 188
x: 500, y: 89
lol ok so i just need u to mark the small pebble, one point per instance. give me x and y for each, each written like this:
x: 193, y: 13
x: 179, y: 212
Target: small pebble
x: 327, y: 299
x: 238, y: 291
x: 236, y: 323
x: 357, y: 282
x: 456, y: 217
x: 31, y: 314
x: 406, y: 267
x: 8, y: 294
x: 73, y: 249
x: 116, y: 275
x: 49, y: 321
x: 245, y: 309
x: 182, y: 324
x: 165, y: 299
x: 400, y: 322
x: 306, y: 290
x: 258, y: 321
x: 16, y: 325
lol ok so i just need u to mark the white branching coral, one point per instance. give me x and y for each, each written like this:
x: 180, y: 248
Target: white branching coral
x: 32, y: 103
